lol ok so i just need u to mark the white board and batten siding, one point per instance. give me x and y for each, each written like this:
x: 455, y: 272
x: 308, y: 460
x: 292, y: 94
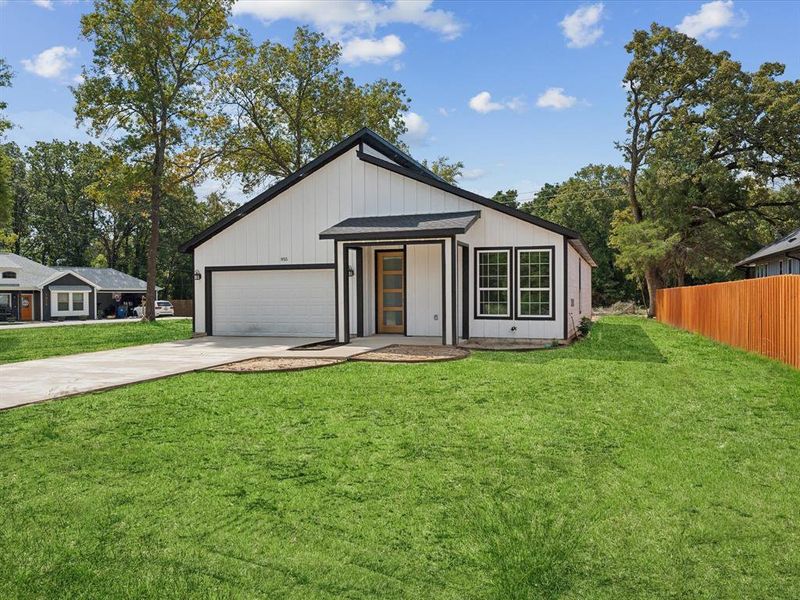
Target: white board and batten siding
x: 285, y: 231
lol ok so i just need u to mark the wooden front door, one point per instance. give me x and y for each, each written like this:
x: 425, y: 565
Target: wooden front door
x: 26, y: 307
x: 391, y: 291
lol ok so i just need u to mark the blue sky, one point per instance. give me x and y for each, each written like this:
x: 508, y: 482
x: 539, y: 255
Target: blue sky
x: 523, y: 93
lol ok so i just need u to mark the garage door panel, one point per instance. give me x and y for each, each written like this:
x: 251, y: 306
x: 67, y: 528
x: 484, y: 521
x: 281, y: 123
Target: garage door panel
x: 273, y: 303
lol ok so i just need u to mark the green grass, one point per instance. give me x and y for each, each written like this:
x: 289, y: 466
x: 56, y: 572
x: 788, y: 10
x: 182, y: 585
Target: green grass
x: 43, y: 342
x: 644, y: 462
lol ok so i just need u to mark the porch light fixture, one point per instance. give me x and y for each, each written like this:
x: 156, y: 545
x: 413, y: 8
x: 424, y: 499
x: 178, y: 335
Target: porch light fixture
x: 350, y: 271
x: 197, y: 275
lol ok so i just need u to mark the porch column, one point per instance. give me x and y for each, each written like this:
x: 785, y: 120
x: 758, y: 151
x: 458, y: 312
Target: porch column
x: 340, y: 273
x: 449, y: 274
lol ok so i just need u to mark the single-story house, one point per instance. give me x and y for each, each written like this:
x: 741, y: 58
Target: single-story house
x: 36, y: 292
x: 365, y: 240
x: 781, y: 257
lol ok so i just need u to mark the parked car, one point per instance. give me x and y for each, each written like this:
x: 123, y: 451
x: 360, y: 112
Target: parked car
x: 164, y: 308
x: 6, y: 314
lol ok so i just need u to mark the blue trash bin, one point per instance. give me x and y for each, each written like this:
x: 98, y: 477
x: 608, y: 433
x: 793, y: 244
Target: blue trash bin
x: 122, y: 312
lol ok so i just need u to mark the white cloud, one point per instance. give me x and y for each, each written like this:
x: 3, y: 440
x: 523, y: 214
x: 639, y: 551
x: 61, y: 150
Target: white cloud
x: 445, y: 112
x: 711, y: 17
x: 483, y: 103
x: 581, y: 27
x: 341, y: 18
x: 368, y: 50
x: 471, y: 174
x: 48, y: 4
x: 517, y: 104
x: 556, y: 99
x: 50, y: 63
x: 417, y: 127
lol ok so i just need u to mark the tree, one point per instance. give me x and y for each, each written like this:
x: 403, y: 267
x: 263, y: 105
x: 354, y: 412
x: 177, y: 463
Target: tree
x: 6, y: 193
x: 60, y: 211
x: 153, y: 63
x: 588, y: 202
x: 448, y: 171
x: 120, y: 194
x: 282, y: 106
x: 509, y: 198
x: 691, y: 112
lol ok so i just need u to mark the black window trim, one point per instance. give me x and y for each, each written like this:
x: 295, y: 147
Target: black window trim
x: 476, y: 275
x: 552, y: 315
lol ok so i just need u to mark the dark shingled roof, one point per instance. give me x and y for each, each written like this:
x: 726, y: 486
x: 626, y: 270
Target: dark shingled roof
x: 402, y: 226
x: 788, y: 243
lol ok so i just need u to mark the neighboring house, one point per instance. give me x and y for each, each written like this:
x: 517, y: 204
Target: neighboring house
x: 781, y: 257
x: 365, y: 240
x: 39, y: 293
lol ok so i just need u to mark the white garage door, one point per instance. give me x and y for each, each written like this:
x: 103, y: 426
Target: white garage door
x: 275, y: 303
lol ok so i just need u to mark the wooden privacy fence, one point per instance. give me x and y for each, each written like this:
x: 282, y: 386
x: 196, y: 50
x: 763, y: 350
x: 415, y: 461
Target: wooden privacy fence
x: 761, y: 315
x: 183, y: 308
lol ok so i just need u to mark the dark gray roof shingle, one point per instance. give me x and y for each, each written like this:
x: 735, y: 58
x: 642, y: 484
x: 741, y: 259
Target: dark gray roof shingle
x: 788, y: 243
x: 109, y: 279
x: 402, y: 226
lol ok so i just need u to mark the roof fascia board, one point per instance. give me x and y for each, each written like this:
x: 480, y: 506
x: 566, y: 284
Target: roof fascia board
x: 59, y: 274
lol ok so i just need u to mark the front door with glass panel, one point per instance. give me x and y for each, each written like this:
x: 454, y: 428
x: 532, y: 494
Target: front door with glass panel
x: 26, y: 307
x: 391, y: 291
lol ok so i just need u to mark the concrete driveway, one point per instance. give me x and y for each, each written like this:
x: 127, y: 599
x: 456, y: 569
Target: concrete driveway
x: 36, y: 380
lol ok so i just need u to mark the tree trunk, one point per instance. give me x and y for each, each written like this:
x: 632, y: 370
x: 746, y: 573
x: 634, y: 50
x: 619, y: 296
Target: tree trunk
x: 155, y: 216
x: 654, y: 284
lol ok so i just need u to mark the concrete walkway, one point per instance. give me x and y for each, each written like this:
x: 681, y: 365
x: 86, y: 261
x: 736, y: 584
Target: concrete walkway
x: 37, y: 380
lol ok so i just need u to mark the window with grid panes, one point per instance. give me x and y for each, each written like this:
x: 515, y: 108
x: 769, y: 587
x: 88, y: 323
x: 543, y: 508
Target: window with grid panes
x: 493, y: 283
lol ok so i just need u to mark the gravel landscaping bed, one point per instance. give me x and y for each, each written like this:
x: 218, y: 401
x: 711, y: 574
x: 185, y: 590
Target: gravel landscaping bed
x: 255, y: 365
x: 401, y: 353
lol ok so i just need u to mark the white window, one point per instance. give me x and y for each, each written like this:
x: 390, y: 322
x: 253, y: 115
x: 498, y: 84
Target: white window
x: 535, y: 283
x: 5, y: 299
x: 493, y: 283
x: 69, y: 303
x: 77, y: 301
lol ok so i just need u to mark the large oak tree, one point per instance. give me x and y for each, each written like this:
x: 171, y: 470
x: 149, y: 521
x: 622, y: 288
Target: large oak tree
x: 282, y: 106
x: 697, y: 124
x: 147, y: 88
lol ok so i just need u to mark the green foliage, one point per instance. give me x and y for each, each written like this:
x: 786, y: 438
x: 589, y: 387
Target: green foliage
x: 60, y: 212
x: 448, y: 170
x: 506, y: 475
x: 509, y: 198
x: 280, y: 107
x: 703, y: 134
x: 587, y: 203
x: 641, y: 245
x: 150, y: 80
x: 6, y: 74
x: 585, y: 326
x: 6, y: 191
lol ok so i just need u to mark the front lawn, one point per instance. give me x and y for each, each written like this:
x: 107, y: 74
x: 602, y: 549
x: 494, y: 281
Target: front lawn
x: 43, y: 342
x: 645, y: 462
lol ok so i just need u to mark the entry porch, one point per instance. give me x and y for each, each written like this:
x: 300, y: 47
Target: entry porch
x: 402, y: 275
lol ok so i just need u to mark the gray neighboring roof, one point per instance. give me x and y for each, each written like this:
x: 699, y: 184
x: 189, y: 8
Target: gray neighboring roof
x: 109, y: 279
x: 402, y: 226
x: 30, y: 274
x: 789, y: 243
